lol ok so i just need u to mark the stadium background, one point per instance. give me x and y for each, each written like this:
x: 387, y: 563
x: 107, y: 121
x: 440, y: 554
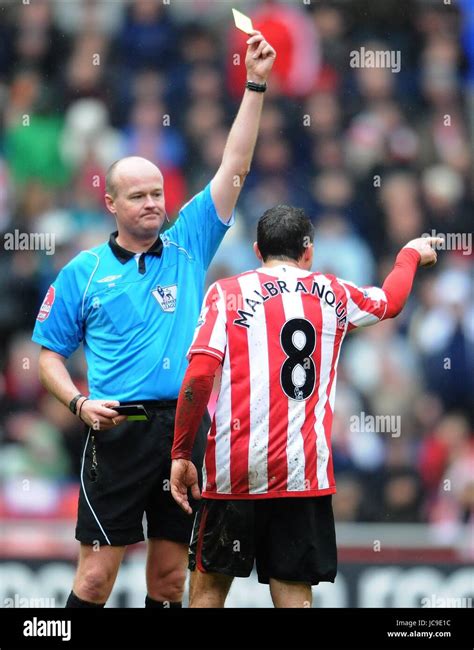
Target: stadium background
x: 376, y: 158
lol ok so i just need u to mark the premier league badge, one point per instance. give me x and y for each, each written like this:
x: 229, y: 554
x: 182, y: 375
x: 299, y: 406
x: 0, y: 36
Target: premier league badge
x: 166, y: 297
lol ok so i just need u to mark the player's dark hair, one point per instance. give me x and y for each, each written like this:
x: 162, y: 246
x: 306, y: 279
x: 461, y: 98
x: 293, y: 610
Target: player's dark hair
x: 283, y: 232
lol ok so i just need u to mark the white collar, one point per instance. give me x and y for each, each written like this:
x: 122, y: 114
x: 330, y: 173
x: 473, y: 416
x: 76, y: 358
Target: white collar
x: 278, y: 269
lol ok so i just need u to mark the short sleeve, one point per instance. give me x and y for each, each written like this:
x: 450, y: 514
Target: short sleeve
x: 210, y: 336
x: 365, y: 305
x: 59, y: 324
x: 198, y: 228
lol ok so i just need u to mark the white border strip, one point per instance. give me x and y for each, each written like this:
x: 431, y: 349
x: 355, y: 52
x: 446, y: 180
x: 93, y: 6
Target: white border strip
x: 90, y: 279
x: 85, y: 493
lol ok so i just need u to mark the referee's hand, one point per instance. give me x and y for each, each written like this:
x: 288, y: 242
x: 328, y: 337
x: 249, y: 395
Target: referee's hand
x: 99, y: 414
x: 259, y: 58
x: 183, y: 476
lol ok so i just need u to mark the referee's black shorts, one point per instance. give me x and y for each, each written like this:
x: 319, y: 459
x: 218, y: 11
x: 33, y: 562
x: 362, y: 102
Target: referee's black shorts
x: 125, y: 474
x: 289, y: 539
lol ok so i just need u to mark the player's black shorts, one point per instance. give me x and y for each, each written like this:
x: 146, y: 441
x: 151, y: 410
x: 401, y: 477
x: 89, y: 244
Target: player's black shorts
x: 289, y: 538
x: 125, y: 473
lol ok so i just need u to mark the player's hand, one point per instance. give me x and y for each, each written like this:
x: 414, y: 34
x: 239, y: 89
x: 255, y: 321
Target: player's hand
x: 183, y: 476
x: 424, y: 246
x: 259, y: 58
x: 99, y: 414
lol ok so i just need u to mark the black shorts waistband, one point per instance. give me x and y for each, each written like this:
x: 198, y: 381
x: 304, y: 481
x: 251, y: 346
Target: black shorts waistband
x: 153, y: 404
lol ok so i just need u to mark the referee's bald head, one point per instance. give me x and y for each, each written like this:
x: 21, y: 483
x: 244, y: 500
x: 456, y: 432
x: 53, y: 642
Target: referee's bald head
x: 126, y: 168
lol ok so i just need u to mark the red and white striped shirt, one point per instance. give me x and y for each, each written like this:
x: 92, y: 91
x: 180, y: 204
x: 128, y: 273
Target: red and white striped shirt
x: 278, y: 333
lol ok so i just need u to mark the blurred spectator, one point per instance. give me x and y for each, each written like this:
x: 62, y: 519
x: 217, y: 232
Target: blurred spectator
x: 398, y: 487
x: 399, y: 198
x: 20, y: 290
x: 374, y: 83
x: 333, y: 190
x: 89, y: 15
x: 341, y: 252
x: 442, y: 329
x: 84, y: 73
x: 331, y: 27
x: 32, y: 150
x: 148, y: 36
x: 443, y: 190
x: 203, y: 117
x: 209, y: 158
x: 327, y: 153
x: 37, y: 42
x: 204, y: 82
x: 34, y: 449
x: 87, y: 135
x: 22, y: 386
x: 324, y: 114
x: 402, y: 496
x: 347, y: 502
x: 267, y: 190
x: 152, y: 136
x: 383, y: 367
x: 32, y: 133
x: 439, y: 448
x: 452, y: 516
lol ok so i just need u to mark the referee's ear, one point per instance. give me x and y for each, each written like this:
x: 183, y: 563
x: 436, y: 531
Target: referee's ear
x: 110, y: 203
x: 257, y: 252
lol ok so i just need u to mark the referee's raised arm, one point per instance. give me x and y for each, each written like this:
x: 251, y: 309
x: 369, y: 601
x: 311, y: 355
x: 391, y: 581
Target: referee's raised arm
x: 238, y: 152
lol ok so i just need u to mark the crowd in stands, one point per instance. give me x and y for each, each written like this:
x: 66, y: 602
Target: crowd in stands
x: 375, y: 156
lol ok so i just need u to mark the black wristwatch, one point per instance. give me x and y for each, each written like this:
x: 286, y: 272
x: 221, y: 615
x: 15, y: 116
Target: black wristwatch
x: 258, y: 88
x: 73, y: 403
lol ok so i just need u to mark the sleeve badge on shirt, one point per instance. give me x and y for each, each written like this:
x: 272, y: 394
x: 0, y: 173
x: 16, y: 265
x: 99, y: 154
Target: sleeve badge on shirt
x: 47, y: 305
x: 166, y: 297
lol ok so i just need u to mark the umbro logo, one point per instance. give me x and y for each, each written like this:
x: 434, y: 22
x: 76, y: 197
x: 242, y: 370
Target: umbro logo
x: 110, y: 278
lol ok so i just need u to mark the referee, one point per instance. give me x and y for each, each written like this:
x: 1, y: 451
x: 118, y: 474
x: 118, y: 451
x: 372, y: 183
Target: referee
x: 134, y: 302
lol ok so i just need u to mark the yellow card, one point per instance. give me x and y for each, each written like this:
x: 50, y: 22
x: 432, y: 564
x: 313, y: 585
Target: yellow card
x: 242, y: 21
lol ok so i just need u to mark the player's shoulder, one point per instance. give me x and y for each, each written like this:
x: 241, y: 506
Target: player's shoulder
x: 330, y: 278
x: 319, y: 276
x: 230, y: 281
x: 345, y: 282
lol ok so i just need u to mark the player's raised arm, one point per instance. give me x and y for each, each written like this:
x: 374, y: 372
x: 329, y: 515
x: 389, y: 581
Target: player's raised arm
x: 238, y: 152
x: 368, y: 305
x: 398, y: 283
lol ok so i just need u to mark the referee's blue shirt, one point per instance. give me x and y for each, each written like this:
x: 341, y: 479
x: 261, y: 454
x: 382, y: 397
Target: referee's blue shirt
x: 135, y: 314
